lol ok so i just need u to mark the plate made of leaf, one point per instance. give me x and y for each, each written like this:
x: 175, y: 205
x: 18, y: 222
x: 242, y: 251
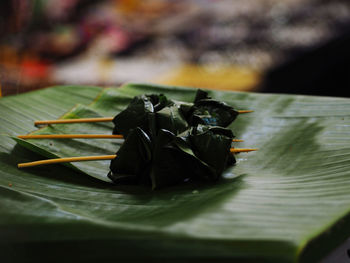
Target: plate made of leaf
x: 287, y: 202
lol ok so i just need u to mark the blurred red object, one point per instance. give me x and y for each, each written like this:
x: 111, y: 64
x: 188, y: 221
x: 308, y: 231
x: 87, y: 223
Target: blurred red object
x: 32, y: 69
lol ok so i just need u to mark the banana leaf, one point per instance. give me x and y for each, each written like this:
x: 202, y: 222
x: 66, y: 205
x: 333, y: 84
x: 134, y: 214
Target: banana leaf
x: 287, y: 202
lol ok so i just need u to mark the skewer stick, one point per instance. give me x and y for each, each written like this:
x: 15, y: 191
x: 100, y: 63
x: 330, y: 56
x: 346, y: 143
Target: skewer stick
x: 95, y: 158
x: 71, y: 136
x: 241, y: 150
x: 79, y: 136
x: 66, y: 160
x: 82, y: 120
x: 245, y: 111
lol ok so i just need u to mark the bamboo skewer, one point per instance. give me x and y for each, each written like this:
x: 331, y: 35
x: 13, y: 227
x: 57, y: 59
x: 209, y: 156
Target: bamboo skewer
x: 90, y: 136
x: 71, y: 136
x: 242, y: 150
x: 66, y: 160
x: 95, y: 158
x: 82, y: 120
x: 79, y: 136
x: 245, y: 111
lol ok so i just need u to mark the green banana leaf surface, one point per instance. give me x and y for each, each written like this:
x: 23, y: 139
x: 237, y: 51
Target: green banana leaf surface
x: 287, y: 202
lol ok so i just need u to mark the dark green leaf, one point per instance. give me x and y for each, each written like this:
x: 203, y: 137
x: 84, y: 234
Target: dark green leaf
x: 135, y: 115
x: 171, y: 119
x: 174, y: 161
x: 212, y: 112
x: 201, y: 95
x: 150, y: 113
x: 207, y: 111
x: 212, y: 145
x: 133, y: 161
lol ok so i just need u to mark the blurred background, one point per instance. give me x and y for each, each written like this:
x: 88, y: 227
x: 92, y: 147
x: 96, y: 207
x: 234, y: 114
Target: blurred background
x: 290, y: 46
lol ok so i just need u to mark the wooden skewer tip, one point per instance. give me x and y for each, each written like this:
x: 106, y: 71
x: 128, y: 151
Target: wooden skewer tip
x: 242, y: 150
x: 245, y: 111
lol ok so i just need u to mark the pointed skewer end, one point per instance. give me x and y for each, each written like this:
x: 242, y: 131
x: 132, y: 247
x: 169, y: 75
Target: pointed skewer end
x: 242, y: 150
x: 245, y: 111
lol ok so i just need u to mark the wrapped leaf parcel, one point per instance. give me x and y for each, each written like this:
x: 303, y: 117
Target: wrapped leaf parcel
x: 169, y: 142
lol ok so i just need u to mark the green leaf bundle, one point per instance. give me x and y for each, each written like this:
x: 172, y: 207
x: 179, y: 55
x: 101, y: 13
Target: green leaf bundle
x: 165, y: 144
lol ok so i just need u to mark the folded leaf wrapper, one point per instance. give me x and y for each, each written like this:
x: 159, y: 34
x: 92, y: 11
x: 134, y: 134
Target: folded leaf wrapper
x: 212, y: 145
x: 174, y: 116
x: 200, y: 154
x: 135, y: 115
x: 132, y: 164
x: 153, y: 151
x: 208, y: 111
